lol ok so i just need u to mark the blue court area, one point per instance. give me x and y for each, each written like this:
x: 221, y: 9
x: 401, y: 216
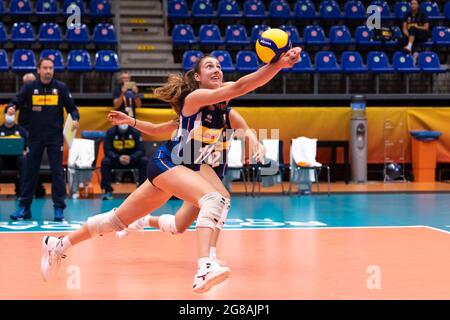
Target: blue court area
x: 320, y: 211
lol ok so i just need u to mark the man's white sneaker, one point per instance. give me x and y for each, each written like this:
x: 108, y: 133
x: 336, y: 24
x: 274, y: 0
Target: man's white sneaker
x: 50, y: 259
x: 209, y: 275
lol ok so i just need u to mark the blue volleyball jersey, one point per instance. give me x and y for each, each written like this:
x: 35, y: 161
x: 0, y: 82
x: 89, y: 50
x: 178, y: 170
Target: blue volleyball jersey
x: 203, y: 138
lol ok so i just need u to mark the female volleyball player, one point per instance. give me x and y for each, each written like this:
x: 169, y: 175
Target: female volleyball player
x: 199, y: 91
x: 185, y: 216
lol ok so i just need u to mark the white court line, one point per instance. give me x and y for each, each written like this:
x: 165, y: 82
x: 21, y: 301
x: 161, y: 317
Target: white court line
x: 437, y: 229
x: 249, y: 229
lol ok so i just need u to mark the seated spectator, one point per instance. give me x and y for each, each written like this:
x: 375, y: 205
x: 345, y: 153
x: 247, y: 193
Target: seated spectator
x: 124, y: 149
x: 13, y: 162
x: 126, y: 95
x: 415, y: 27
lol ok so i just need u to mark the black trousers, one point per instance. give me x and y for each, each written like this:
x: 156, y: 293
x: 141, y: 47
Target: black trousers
x: 420, y: 36
x: 33, y: 163
x: 108, y: 164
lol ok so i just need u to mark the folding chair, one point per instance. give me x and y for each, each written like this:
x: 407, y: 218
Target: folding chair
x: 303, y: 161
x: 235, y: 161
x: 272, y: 168
x: 81, y: 164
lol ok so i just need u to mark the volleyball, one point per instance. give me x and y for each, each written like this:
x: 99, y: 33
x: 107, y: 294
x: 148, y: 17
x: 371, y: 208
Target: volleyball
x: 271, y: 44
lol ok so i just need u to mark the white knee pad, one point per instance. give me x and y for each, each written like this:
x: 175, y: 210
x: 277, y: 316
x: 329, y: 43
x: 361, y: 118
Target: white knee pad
x: 211, y: 206
x: 166, y: 223
x: 104, y: 223
x: 223, y: 217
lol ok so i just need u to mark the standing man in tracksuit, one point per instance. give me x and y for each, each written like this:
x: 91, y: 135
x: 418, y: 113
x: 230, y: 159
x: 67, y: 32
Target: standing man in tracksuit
x: 24, y: 122
x: 46, y: 97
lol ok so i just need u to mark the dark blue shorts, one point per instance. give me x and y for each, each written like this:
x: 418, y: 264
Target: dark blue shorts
x: 160, y: 162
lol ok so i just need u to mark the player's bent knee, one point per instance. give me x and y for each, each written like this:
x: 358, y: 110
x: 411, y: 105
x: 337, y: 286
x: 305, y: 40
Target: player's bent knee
x: 166, y: 223
x: 211, y: 207
x: 104, y: 223
x: 223, y: 217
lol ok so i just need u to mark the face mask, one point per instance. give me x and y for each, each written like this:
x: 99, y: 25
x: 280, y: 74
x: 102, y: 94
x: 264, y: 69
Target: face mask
x: 123, y: 127
x: 9, y: 118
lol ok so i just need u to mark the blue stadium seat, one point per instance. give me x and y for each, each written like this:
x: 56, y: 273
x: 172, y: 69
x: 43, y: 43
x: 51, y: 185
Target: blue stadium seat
x: 329, y: 9
x: 78, y: 35
x: 279, y: 9
x: 177, y: 9
x: 404, y: 63
x: 314, y: 35
x: 340, y: 35
x: 236, y: 35
x: 56, y: 56
x: 209, y: 34
x: 69, y: 4
x: 246, y: 61
x: 401, y: 8
x: 228, y: 9
x: 183, y: 34
x: 2, y: 7
x: 104, y: 33
x: 326, y: 62
x: 224, y: 58
x: 294, y: 36
x: 304, y: 64
x: 79, y: 60
x: 363, y: 37
x: 20, y: 7
x: 107, y: 61
x: 203, y: 9
x: 432, y: 9
x: 190, y: 57
x: 354, y: 9
x: 447, y: 10
x: 100, y: 8
x: 352, y: 62
x: 441, y: 36
x: 22, y: 32
x: 47, y: 8
x: 429, y: 62
x: 305, y: 9
x: 378, y: 62
x: 383, y: 7
x: 4, y: 64
x: 257, y: 30
x: 23, y: 60
x: 3, y: 36
x: 254, y: 9
x: 50, y: 33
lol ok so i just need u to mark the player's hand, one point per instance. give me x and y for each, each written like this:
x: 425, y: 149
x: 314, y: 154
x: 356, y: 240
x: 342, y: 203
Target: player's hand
x: 75, y: 125
x: 259, y: 152
x: 124, y: 159
x: 290, y: 58
x: 117, y: 117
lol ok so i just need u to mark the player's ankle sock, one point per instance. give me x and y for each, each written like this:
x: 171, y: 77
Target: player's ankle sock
x: 212, y: 252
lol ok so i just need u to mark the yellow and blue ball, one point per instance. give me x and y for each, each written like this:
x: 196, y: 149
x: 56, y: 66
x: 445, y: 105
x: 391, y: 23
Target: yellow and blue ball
x: 271, y: 44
